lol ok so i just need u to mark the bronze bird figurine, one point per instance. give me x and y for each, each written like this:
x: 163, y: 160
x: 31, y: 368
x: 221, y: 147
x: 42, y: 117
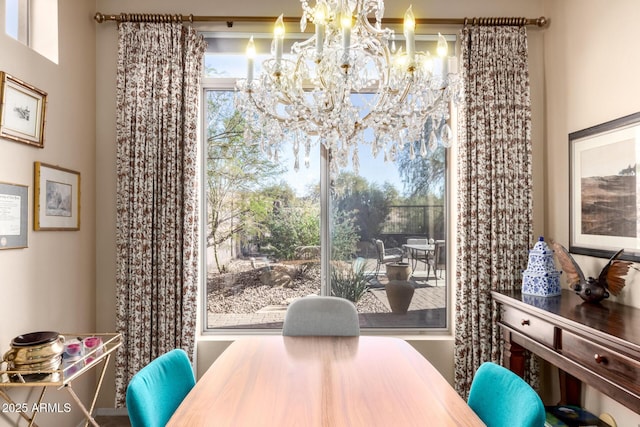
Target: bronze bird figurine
x: 593, y: 290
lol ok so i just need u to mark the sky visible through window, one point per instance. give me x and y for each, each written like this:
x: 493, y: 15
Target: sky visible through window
x: 11, y: 18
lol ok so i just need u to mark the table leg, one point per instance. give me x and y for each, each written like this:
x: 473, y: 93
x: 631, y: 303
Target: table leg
x: 513, y: 355
x: 570, y: 389
x: 82, y: 407
x: 30, y: 419
x: 75, y: 397
x: 414, y: 261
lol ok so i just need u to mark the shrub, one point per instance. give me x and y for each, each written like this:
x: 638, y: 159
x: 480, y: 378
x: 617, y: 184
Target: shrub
x: 291, y: 227
x: 349, y: 281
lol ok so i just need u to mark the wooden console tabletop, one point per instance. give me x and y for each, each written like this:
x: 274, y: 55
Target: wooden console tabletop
x: 595, y: 344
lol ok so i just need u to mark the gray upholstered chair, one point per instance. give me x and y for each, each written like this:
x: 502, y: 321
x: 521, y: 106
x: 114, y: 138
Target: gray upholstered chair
x: 321, y: 316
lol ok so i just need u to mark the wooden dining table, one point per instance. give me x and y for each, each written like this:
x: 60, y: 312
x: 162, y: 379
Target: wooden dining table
x: 322, y: 381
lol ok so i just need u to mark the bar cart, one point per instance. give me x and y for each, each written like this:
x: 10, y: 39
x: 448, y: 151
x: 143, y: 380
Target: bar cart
x: 62, y: 377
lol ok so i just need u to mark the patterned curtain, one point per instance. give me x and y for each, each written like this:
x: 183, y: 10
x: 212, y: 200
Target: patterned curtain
x: 494, y: 189
x: 158, y: 84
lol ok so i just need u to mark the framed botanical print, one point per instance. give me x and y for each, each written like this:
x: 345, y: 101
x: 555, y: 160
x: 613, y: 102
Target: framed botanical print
x: 57, y: 198
x: 22, y: 111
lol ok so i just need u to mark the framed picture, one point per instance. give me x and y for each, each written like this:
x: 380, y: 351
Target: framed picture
x: 22, y: 111
x: 57, y: 198
x: 605, y: 190
x: 14, y: 206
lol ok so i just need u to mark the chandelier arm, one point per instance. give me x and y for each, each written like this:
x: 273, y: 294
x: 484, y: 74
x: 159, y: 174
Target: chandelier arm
x: 279, y: 118
x: 378, y: 32
x: 265, y: 111
x: 323, y: 84
x: 381, y: 101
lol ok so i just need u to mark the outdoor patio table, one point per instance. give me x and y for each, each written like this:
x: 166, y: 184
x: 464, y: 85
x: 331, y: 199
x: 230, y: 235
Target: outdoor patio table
x: 322, y: 381
x: 419, y: 253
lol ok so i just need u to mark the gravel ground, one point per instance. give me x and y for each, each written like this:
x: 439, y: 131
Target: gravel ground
x: 240, y: 291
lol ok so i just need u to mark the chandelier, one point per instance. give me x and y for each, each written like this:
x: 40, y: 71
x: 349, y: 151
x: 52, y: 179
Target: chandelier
x: 347, y: 85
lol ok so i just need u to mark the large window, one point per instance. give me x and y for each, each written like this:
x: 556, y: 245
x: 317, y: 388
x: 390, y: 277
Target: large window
x: 264, y: 222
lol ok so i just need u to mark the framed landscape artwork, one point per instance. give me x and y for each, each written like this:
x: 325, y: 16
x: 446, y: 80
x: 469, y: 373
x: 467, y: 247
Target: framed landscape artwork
x: 14, y: 204
x: 604, y: 189
x: 57, y: 198
x: 22, y: 109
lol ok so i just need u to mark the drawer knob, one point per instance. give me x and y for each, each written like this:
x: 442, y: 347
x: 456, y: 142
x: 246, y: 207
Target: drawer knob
x: 599, y: 359
x: 525, y: 322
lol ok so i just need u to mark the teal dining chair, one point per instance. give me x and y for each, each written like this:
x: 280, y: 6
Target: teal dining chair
x: 502, y: 399
x: 156, y: 391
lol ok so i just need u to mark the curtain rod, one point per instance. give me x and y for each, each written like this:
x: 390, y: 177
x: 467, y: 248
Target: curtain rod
x: 229, y: 20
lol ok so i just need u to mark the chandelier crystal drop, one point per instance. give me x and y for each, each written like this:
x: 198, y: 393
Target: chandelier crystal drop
x: 347, y: 85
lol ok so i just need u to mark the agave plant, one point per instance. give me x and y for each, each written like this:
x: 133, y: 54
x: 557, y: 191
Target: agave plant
x: 349, y: 281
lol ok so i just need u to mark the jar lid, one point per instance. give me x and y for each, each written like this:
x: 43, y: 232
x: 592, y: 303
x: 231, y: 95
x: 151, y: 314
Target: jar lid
x: 35, y: 338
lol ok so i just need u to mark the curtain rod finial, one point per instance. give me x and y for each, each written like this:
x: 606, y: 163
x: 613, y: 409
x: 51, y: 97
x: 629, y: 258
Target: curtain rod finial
x: 542, y: 22
x: 99, y: 17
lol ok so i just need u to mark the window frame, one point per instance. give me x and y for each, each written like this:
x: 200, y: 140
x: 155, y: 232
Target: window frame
x: 229, y: 84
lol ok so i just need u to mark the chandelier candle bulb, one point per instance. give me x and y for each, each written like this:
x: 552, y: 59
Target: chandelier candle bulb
x: 278, y: 36
x: 345, y: 23
x: 409, y: 34
x: 320, y: 18
x: 251, y: 54
x: 443, y: 48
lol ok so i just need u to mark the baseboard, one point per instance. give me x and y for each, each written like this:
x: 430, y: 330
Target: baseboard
x: 111, y: 412
x: 106, y: 412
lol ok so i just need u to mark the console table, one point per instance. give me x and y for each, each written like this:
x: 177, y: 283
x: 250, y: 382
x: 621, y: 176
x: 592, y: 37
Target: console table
x: 598, y: 345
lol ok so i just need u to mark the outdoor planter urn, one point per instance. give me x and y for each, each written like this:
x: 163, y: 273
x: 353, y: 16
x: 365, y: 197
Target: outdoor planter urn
x: 398, y: 271
x: 399, y: 294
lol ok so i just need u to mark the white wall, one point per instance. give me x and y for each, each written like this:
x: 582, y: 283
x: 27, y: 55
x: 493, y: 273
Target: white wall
x: 591, y: 60
x: 51, y: 284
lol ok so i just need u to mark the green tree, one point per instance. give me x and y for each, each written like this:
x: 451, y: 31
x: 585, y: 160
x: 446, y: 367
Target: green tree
x: 290, y: 226
x: 235, y: 169
x: 424, y: 180
x: 369, y: 203
x: 423, y: 176
x: 344, y: 235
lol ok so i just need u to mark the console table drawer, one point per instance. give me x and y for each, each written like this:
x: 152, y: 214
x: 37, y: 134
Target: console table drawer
x: 602, y: 361
x: 532, y: 326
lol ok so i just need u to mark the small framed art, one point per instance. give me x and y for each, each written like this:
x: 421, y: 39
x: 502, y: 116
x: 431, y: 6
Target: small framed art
x: 22, y: 111
x: 14, y: 205
x: 57, y: 198
x: 604, y: 189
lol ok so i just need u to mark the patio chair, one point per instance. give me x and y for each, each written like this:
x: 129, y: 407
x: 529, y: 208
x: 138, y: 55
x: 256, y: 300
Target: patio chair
x: 439, y: 261
x: 418, y: 256
x: 386, y: 256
